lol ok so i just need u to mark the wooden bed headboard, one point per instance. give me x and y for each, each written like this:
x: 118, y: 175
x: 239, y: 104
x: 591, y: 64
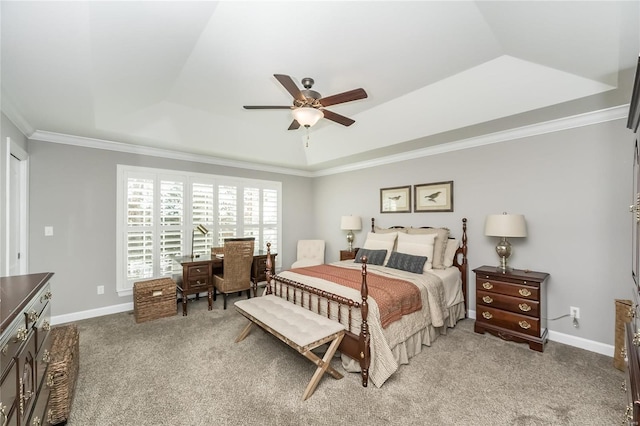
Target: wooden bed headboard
x: 459, y: 260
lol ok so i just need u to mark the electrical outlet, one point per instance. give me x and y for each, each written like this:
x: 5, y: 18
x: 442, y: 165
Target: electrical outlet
x: 575, y: 312
x: 100, y: 289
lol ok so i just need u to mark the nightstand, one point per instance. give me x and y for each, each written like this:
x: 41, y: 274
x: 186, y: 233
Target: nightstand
x: 512, y: 305
x: 347, y: 255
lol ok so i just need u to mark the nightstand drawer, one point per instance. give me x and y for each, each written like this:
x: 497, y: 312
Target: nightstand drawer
x: 508, y: 320
x: 195, y: 282
x: 509, y: 289
x: 509, y: 303
x: 198, y: 271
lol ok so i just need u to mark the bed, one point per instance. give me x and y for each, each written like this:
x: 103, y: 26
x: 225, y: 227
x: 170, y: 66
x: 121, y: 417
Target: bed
x: 382, y: 331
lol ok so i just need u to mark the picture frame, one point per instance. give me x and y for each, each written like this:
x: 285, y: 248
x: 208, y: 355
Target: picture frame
x: 433, y: 197
x: 395, y: 200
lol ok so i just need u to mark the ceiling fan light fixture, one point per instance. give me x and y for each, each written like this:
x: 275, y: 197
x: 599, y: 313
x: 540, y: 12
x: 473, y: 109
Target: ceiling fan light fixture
x: 307, y: 116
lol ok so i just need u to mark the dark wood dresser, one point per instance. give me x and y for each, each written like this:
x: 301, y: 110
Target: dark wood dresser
x: 25, y: 313
x: 512, y: 305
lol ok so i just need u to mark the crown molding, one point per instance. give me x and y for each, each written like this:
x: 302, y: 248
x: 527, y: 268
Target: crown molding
x: 572, y: 122
x: 580, y: 120
x: 61, y: 138
x: 15, y: 117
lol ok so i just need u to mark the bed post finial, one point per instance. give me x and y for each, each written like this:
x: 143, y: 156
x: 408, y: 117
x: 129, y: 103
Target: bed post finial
x: 373, y: 223
x: 363, y: 338
x: 268, y: 270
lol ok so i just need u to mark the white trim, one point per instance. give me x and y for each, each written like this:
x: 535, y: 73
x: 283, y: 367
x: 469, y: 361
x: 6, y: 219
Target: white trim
x: 91, y: 313
x: 566, y: 123
x: 45, y: 136
x: 580, y: 120
x: 578, y: 342
x: 15, y: 117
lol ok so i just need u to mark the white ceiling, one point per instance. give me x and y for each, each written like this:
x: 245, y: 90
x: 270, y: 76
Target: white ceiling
x: 175, y: 75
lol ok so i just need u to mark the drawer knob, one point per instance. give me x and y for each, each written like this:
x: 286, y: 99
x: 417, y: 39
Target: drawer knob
x: 21, y: 335
x: 32, y: 316
x: 487, y: 299
x: 524, y: 325
x: 524, y: 292
x: 524, y: 307
x: 487, y: 315
x: 5, y: 349
x: 636, y: 339
x: 50, y: 381
x: 46, y: 326
x: 488, y: 286
x: 198, y: 270
x: 198, y: 282
x: 46, y: 356
x: 36, y: 421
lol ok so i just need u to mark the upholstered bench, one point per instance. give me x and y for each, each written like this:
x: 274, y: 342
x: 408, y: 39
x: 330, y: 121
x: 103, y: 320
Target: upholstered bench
x: 296, y: 326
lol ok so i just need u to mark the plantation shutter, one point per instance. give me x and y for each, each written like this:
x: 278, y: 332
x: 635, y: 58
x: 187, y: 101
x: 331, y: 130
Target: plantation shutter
x: 140, y: 233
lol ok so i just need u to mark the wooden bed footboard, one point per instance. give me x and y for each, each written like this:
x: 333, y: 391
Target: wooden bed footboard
x: 356, y: 346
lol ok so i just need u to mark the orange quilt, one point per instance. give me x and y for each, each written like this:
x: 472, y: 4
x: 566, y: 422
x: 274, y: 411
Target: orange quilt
x: 393, y: 296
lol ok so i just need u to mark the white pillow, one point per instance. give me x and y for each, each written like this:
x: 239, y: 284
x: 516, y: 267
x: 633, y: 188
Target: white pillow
x: 418, y: 245
x: 450, y: 252
x: 381, y: 242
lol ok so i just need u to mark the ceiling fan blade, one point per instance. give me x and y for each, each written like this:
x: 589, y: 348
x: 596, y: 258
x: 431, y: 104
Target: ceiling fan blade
x: 340, y: 119
x: 265, y: 107
x: 294, y: 125
x: 291, y: 86
x: 351, y: 95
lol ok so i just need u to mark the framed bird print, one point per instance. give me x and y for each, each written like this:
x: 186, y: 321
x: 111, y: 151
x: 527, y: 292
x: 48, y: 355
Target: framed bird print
x: 395, y: 200
x: 433, y: 197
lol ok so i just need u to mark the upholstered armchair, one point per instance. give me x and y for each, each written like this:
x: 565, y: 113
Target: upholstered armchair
x: 236, y: 275
x: 310, y: 253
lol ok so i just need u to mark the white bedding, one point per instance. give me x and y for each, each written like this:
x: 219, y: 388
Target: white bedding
x: 441, y: 294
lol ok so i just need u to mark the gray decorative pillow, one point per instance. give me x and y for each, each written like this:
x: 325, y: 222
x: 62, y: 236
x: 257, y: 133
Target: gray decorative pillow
x: 374, y: 257
x: 406, y: 262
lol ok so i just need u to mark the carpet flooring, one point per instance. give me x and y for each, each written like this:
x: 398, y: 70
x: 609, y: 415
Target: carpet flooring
x: 188, y: 371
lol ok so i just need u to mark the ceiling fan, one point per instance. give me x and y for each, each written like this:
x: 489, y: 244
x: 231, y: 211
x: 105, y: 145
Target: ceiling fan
x: 309, y: 106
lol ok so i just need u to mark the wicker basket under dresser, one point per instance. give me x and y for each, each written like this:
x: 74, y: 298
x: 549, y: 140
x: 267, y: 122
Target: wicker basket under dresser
x: 25, y: 346
x: 512, y: 305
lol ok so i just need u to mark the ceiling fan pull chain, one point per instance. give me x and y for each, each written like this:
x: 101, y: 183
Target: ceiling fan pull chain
x: 307, y: 145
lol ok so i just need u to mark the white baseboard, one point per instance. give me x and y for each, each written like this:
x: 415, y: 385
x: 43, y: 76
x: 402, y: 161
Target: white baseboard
x: 574, y: 341
x: 91, y: 313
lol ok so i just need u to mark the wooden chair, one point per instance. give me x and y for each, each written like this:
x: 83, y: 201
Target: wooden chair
x: 236, y: 275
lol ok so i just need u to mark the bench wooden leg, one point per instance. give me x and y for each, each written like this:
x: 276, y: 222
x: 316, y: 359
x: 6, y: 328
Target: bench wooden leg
x: 245, y: 332
x: 324, y: 365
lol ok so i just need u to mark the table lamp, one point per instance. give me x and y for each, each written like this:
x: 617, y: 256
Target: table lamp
x: 350, y: 223
x: 203, y: 231
x: 505, y: 225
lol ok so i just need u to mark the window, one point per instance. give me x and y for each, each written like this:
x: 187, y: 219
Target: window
x: 159, y: 209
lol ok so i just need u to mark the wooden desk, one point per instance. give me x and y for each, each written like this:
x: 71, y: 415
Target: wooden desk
x: 197, y: 274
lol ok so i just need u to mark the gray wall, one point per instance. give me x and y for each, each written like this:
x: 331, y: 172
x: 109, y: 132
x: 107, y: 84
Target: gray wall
x: 574, y: 188
x: 73, y: 189
x: 7, y: 130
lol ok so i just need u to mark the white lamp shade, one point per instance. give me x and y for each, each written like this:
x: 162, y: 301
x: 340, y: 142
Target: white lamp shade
x: 351, y: 223
x: 505, y: 225
x: 307, y: 116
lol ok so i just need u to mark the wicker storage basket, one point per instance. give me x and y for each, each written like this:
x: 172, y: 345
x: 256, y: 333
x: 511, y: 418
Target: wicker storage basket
x: 623, y: 307
x: 63, y: 371
x: 154, y: 299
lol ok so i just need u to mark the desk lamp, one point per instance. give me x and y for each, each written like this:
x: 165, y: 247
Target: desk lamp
x: 203, y: 231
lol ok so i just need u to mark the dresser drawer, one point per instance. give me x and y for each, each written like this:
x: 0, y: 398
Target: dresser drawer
x: 195, y: 282
x: 12, y: 340
x: 509, y: 303
x: 9, y: 394
x: 508, y: 320
x: 42, y: 327
x: 529, y: 292
x: 39, y: 415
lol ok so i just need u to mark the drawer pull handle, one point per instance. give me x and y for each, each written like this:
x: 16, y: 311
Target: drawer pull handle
x: 197, y: 269
x: 628, y: 413
x: 46, y: 356
x: 487, y: 299
x: 3, y: 413
x: 487, y: 315
x: 50, y: 380
x: 524, y: 292
x: 46, y: 326
x: 524, y: 307
x: 5, y: 349
x: 21, y: 335
x: 524, y: 325
x: 48, y: 295
x: 488, y: 286
x: 198, y: 282
x: 636, y: 339
x: 36, y: 421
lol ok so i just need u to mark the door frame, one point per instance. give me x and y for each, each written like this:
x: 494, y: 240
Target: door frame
x: 13, y: 149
